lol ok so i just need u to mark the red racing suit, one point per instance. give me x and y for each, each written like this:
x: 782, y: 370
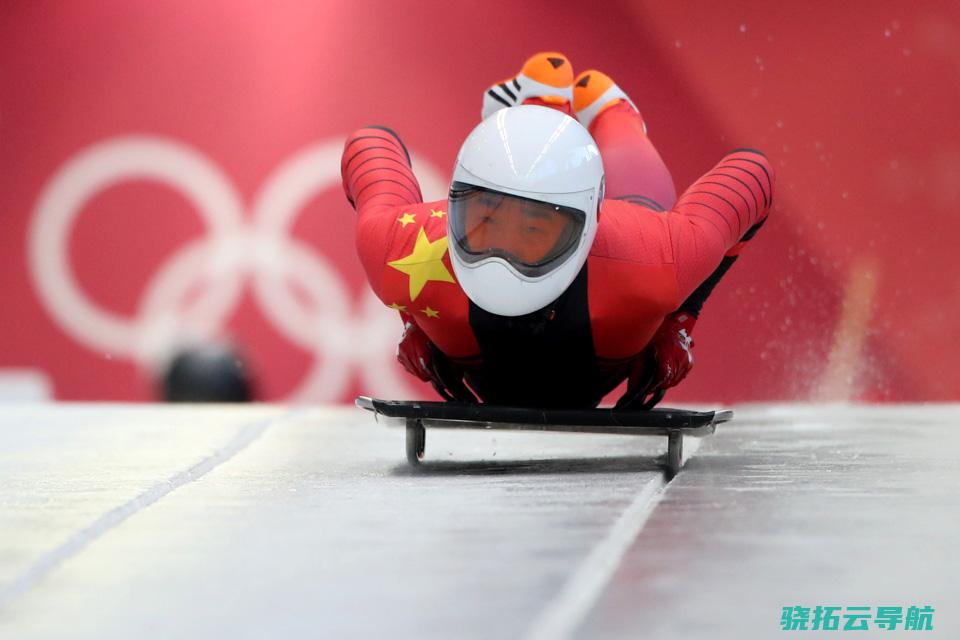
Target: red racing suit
x: 650, y: 257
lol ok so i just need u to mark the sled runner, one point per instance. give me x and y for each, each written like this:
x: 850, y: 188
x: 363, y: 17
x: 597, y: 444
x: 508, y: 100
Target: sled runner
x: 673, y: 423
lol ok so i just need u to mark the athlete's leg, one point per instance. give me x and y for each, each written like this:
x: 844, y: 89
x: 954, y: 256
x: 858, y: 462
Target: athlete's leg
x: 634, y: 169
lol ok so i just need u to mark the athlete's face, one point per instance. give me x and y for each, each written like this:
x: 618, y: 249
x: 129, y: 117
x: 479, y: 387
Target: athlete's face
x: 525, y: 229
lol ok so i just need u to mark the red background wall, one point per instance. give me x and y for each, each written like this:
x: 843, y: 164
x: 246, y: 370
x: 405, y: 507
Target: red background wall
x: 850, y: 292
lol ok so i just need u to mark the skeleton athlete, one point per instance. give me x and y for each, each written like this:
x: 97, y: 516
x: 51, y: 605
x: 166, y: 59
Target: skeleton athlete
x: 562, y: 262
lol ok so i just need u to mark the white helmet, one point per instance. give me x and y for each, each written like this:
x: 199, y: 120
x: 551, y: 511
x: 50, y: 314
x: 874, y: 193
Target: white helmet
x: 523, y: 208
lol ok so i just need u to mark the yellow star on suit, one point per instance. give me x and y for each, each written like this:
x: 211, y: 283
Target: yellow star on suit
x: 425, y: 264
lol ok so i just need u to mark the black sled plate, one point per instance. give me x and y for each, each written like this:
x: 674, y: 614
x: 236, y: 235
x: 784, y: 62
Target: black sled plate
x: 452, y: 415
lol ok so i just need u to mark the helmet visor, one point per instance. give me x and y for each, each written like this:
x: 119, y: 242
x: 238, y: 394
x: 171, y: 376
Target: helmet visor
x: 531, y: 235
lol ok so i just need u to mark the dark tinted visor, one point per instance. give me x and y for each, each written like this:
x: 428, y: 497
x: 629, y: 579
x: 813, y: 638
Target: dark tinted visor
x: 530, y: 234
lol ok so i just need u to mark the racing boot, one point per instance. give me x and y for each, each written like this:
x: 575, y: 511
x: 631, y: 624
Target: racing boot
x: 593, y: 93
x: 546, y: 79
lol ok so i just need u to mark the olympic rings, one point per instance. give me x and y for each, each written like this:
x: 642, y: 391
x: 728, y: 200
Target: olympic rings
x: 220, y: 264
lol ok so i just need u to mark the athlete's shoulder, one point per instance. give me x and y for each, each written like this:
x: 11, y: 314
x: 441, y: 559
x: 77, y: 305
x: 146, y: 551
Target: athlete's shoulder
x: 633, y: 234
x: 632, y: 280
x: 389, y: 230
x: 430, y: 216
x: 414, y: 275
x: 388, y: 237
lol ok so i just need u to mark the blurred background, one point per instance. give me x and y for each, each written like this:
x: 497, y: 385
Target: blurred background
x: 169, y: 181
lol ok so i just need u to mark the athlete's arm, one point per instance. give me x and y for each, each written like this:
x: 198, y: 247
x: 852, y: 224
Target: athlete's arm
x: 378, y: 181
x: 708, y: 226
x: 714, y: 217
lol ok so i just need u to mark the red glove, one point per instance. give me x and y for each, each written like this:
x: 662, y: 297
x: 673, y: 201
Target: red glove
x: 666, y: 361
x: 413, y: 352
x: 672, y: 347
x: 420, y: 356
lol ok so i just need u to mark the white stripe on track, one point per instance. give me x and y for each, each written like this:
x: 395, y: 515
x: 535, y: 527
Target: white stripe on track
x: 76, y: 543
x: 567, y: 610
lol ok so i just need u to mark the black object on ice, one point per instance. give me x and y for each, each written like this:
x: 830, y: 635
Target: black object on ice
x: 206, y: 373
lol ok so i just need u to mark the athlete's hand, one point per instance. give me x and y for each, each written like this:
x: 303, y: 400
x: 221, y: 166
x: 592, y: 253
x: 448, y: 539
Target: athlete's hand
x: 672, y: 351
x: 422, y: 358
x: 414, y: 351
x: 663, y: 364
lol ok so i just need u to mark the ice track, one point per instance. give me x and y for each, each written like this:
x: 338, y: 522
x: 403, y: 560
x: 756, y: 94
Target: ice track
x: 262, y: 522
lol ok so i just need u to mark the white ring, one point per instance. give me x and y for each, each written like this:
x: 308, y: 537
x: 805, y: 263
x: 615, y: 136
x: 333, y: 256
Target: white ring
x: 99, y: 167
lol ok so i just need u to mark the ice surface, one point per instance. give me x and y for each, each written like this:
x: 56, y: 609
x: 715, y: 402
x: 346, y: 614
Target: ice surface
x: 145, y: 521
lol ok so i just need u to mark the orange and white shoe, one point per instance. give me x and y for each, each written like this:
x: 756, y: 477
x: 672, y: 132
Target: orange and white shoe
x: 594, y: 92
x: 546, y: 78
